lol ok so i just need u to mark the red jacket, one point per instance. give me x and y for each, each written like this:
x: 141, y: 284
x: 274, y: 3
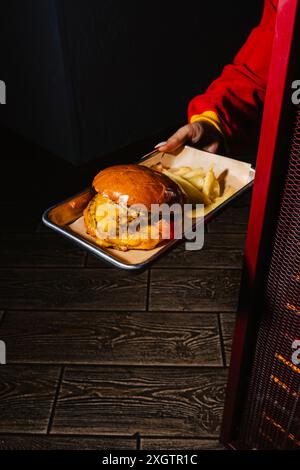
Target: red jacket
x: 237, y: 96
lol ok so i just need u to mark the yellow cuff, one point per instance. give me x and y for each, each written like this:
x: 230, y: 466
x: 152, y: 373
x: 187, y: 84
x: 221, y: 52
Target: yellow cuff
x: 209, y: 116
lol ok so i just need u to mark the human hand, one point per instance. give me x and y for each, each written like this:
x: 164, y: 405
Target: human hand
x: 202, y: 134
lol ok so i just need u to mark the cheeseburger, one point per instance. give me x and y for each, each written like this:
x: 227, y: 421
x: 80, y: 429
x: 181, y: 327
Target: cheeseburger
x: 124, y: 196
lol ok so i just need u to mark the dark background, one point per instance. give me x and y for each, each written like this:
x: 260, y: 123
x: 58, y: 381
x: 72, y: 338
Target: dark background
x: 85, y: 78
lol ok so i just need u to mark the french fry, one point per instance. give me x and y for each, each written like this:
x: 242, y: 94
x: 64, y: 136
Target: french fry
x: 200, y: 187
x: 181, y: 171
x: 158, y: 167
x: 196, y: 181
x: 194, y: 194
x: 211, y: 187
x: 193, y: 173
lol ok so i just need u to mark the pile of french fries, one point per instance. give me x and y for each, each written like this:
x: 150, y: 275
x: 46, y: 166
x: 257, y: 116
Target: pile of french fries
x: 199, y: 187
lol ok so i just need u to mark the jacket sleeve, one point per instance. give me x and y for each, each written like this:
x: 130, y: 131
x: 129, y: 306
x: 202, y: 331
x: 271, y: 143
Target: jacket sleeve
x: 237, y: 96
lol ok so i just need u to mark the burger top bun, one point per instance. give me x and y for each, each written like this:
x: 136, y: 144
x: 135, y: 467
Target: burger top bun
x: 137, y: 184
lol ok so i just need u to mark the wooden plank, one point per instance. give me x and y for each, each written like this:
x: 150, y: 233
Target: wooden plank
x: 39, y: 250
x: 232, y: 220
x: 194, y: 290
x: 81, y: 289
x: 26, y: 397
x: 39, y: 442
x: 117, y: 338
x: 95, y: 262
x: 180, y: 444
x: 219, y: 251
x: 227, y: 325
x: 244, y: 200
x: 154, y: 401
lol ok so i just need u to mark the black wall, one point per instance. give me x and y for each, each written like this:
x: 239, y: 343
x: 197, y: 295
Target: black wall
x: 85, y: 77
x: 32, y: 66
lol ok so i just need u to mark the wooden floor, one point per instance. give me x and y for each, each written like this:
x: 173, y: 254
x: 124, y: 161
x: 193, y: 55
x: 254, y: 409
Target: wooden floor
x: 99, y: 358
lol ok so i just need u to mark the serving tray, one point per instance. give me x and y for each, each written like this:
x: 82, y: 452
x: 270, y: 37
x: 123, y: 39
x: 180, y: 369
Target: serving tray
x: 66, y: 217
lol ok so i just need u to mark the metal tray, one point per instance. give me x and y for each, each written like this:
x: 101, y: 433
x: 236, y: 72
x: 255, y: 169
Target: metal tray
x: 61, y: 216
